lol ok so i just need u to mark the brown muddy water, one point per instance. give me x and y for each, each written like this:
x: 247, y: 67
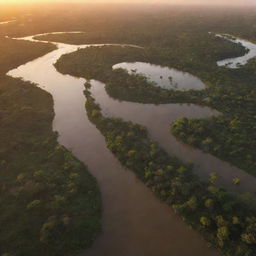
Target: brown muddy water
x: 135, y: 222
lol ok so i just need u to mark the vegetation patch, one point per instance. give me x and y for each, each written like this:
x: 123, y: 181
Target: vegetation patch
x: 230, y: 136
x: 96, y: 63
x: 49, y: 203
x: 221, y: 217
x: 17, y: 52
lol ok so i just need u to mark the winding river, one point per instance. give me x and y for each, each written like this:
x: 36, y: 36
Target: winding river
x: 135, y: 222
x: 239, y: 61
x: 164, y: 77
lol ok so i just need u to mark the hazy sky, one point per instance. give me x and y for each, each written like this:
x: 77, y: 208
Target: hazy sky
x: 212, y: 2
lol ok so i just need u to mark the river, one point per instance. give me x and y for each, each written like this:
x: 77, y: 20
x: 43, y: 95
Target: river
x: 135, y: 222
x: 164, y: 77
x: 239, y: 61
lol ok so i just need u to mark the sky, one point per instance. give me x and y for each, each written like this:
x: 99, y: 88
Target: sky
x: 183, y: 2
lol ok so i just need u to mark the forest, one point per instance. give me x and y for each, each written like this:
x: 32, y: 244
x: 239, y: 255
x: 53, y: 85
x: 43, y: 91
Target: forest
x: 51, y: 194
x: 49, y: 203
x: 229, y: 136
x: 221, y: 217
x: 96, y: 63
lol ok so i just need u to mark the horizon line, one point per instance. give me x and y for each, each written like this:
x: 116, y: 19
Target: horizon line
x: 113, y: 2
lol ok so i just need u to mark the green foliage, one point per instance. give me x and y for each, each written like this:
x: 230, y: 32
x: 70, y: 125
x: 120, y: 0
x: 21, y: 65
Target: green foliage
x: 97, y: 62
x: 236, y: 181
x: 209, y: 203
x: 34, y: 204
x: 137, y: 88
x: 171, y: 39
x: 229, y: 136
x: 17, y: 52
x: 213, y: 177
x: 250, y: 233
x: 222, y: 235
x: 221, y: 217
x: 205, y: 221
x: 49, y: 203
x: 38, y: 178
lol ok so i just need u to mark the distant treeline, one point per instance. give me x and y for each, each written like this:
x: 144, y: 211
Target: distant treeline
x: 224, y: 219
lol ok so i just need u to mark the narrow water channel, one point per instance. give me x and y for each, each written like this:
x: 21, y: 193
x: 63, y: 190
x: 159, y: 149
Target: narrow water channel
x: 239, y: 61
x: 164, y: 77
x: 135, y: 222
x: 157, y: 119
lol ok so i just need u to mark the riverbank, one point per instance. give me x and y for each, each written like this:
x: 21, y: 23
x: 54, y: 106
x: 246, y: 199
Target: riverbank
x: 135, y: 222
x: 228, y: 91
x: 202, y: 205
x: 127, y: 203
x: 134, y: 156
x: 49, y: 202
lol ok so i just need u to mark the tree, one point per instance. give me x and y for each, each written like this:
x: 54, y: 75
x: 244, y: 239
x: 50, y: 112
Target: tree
x: 250, y: 233
x: 235, y: 220
x: 213, y: 177
x: 34, y: 204
x: 87, y: 85
x: 205, y: 221
x: 51, y: 230
x: 234, y: 124
x: 222, y: 235
x: 220, y: 221
x: 236, y: 181
x: 206, y: 144
x: 209, y: 203
x: 192, y: 203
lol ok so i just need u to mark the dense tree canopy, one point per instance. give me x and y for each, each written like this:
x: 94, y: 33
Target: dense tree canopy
x: 223, y: 218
